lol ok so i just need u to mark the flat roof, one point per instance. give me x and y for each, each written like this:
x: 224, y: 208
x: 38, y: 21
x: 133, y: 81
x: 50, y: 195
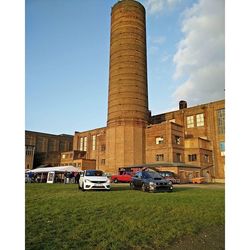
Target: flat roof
x: 167, y: 164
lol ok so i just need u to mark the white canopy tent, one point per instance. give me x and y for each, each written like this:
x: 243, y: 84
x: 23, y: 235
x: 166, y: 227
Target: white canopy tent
x: 60, y: 169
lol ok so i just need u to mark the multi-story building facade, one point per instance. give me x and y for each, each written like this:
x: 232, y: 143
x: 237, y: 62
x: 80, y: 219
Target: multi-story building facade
x: 46, y: 148
x: 187, y: 137
x: 77, y: 159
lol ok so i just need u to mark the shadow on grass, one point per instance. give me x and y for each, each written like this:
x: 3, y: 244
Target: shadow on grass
x: 126, y: 187
x: 181, y: 189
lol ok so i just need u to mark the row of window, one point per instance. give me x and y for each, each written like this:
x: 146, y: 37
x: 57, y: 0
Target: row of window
x: 160, y: 140
x: 79, y: 164
x: 65, y: 156
x: 199, y: 121
x: 84, y: 144
x: 193, y: 157
x: 221, y: 121
x: 28, y: 152
x: 160, y: 157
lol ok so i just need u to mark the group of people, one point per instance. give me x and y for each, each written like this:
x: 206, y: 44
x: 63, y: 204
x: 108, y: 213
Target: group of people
x: 71, y: 177
x: 33, y: 177
x: 68, y: 177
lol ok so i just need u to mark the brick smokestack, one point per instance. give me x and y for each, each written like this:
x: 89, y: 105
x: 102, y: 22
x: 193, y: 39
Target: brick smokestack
x: 128, y: 92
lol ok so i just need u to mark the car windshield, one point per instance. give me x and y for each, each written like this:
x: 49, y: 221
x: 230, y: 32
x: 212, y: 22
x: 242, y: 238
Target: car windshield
x: 151, y: 174
x: 94, y: 173
x: 167, y: 174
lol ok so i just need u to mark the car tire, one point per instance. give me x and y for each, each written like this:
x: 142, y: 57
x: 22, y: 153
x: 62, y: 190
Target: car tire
x: 143, y: 188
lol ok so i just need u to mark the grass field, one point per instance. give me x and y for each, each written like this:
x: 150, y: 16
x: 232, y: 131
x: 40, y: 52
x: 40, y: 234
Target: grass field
x: 60, y: 216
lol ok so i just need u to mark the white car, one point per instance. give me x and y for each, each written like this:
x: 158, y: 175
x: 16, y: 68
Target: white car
x: 93, y: 179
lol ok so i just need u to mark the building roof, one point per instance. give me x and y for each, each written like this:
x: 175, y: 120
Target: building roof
x: 162, y: 164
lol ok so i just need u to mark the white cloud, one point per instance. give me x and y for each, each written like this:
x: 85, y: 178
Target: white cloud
x: 158, y: 6
x: 201, y: 53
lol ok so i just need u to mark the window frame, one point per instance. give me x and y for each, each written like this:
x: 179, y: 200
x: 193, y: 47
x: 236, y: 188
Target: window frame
x: 200, y: 121
x: 159, y: 140
x: 189, y: 123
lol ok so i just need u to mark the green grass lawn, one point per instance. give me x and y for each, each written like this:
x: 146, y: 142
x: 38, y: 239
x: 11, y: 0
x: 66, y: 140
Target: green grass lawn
x: 60, y: 216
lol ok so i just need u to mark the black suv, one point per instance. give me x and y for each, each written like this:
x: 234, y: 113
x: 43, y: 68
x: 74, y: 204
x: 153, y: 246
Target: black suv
x: 150, y: 180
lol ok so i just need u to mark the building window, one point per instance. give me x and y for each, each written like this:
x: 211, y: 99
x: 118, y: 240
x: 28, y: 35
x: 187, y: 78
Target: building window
x: 221, y: 121
x: 39, y: 145
x: 159, y: 140
x: 206, y: 158
x: 85, y: 141
x: 159, y: 157
x: 103, y: 161
x: 190, y: 122
x: 81, y: 144
x: 93, y: 142
x: 103, y: 147
x: 200, y: 120
x: 177, y: 139
x: 192, y: 157
x: 61, y: 146
x: 178, y: 157
x: 51, y: 146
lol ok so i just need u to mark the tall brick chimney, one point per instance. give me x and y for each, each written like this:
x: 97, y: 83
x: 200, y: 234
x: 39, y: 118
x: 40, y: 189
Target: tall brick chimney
x: 128, y: 92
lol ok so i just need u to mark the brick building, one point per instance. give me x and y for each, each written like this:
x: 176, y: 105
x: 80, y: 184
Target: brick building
x: 190, y: 138
x: 45, y: 149
x: 77, y: 159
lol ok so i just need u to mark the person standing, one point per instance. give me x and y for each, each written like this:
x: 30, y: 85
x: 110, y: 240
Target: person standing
x: 65, y: 177
x: 77, y: 177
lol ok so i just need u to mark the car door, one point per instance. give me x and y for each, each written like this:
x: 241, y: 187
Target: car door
x: 138, y: 180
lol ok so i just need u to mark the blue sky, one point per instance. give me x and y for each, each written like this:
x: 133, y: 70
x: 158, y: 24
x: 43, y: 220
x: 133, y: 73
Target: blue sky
x: 67, y: 59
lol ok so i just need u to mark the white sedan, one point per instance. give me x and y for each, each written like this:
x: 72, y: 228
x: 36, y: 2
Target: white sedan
x: 93, y: 179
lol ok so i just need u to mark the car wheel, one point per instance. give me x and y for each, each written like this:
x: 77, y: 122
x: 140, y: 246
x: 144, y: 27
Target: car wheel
x: 83, y: 187
x: 132, y: 186
x: 143, y: 187
x: 115, y: 181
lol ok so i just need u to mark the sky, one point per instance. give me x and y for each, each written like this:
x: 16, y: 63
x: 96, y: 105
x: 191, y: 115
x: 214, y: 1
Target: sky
x: 67, y: 59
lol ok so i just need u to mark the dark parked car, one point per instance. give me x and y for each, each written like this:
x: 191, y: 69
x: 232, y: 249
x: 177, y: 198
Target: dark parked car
x: 150, y: 180
x: 171, y: 176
